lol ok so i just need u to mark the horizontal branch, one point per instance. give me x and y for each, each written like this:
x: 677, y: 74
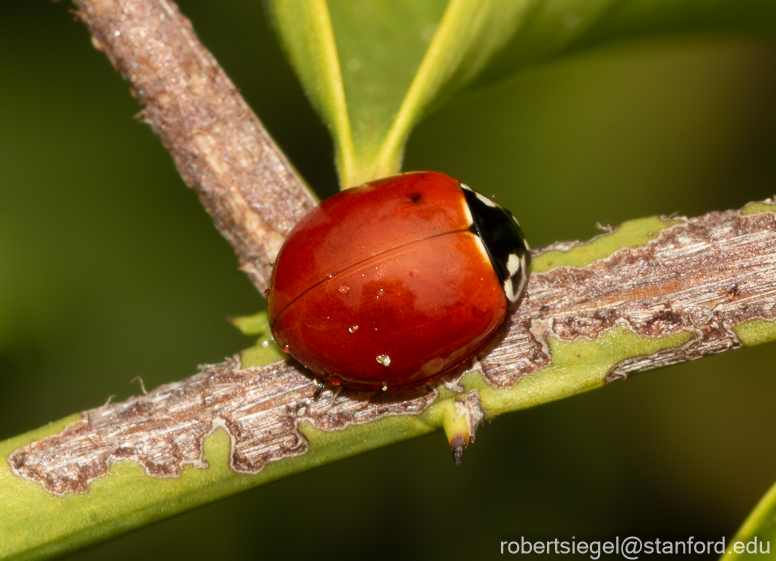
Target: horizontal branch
x: 652, y: 293
x: 705, y: 277
x: 685, y: 293
x: 219, y: 145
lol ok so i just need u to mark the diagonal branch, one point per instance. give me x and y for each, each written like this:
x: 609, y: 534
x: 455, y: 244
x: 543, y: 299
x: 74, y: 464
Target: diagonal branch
x: 219, y: 145
x: 664, y: 290
x: 698, y: 287
x: 652, y: 293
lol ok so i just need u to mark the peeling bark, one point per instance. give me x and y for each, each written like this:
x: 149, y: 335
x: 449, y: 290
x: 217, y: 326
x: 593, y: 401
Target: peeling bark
x: 219, y: 145
x: 704, y: 276
x: 260, y: 408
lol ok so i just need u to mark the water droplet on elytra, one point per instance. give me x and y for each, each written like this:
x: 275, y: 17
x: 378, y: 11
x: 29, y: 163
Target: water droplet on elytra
x: 343, y: 289
x: 353, y: 328
x: 385, y: 360
x: 286, y: 349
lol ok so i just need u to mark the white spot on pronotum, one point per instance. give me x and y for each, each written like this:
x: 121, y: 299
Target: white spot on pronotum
x: 465, y: 187
x: 485, y: 200
x: 508, y: 290
x: 522, y: 278
x: 385, y: 360
x: 513, y: 264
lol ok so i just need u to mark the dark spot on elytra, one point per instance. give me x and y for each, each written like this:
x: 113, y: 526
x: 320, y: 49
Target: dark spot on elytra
x: 415, y: 198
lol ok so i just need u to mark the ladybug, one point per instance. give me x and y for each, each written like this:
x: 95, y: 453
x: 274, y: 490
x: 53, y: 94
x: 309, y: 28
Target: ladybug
x: 396, y: 282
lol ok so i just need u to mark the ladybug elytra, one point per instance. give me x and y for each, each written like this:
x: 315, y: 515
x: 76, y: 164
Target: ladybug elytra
x: 396, y: 282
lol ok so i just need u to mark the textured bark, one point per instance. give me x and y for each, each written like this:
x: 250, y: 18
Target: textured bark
x: 704, y: 276
x: 260, y: 408
x: 219, y: 145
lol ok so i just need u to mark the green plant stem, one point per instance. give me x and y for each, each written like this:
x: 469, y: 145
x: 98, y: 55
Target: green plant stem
x: 253, y: 419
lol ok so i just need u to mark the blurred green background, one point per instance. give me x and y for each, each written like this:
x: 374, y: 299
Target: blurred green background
x: 110, y: 269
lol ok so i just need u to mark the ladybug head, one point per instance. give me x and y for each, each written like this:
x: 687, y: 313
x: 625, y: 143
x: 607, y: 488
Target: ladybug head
x: 503, y: 240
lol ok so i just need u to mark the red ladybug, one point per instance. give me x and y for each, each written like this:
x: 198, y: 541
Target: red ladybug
x: 396, y: 282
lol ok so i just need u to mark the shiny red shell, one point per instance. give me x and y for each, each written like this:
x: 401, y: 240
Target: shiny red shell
x: 385, y: 286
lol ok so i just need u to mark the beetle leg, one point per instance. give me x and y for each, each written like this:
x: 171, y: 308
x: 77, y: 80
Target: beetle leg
x: 318, y: 390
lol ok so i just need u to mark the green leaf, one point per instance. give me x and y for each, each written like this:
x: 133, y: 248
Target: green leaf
x: 307, y: 36
x: 559, y: 27
x: 757, y: 533
x: 266, y: 350
x: 374, y: 68
x: 257, y: 324
x: 39, y: 525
